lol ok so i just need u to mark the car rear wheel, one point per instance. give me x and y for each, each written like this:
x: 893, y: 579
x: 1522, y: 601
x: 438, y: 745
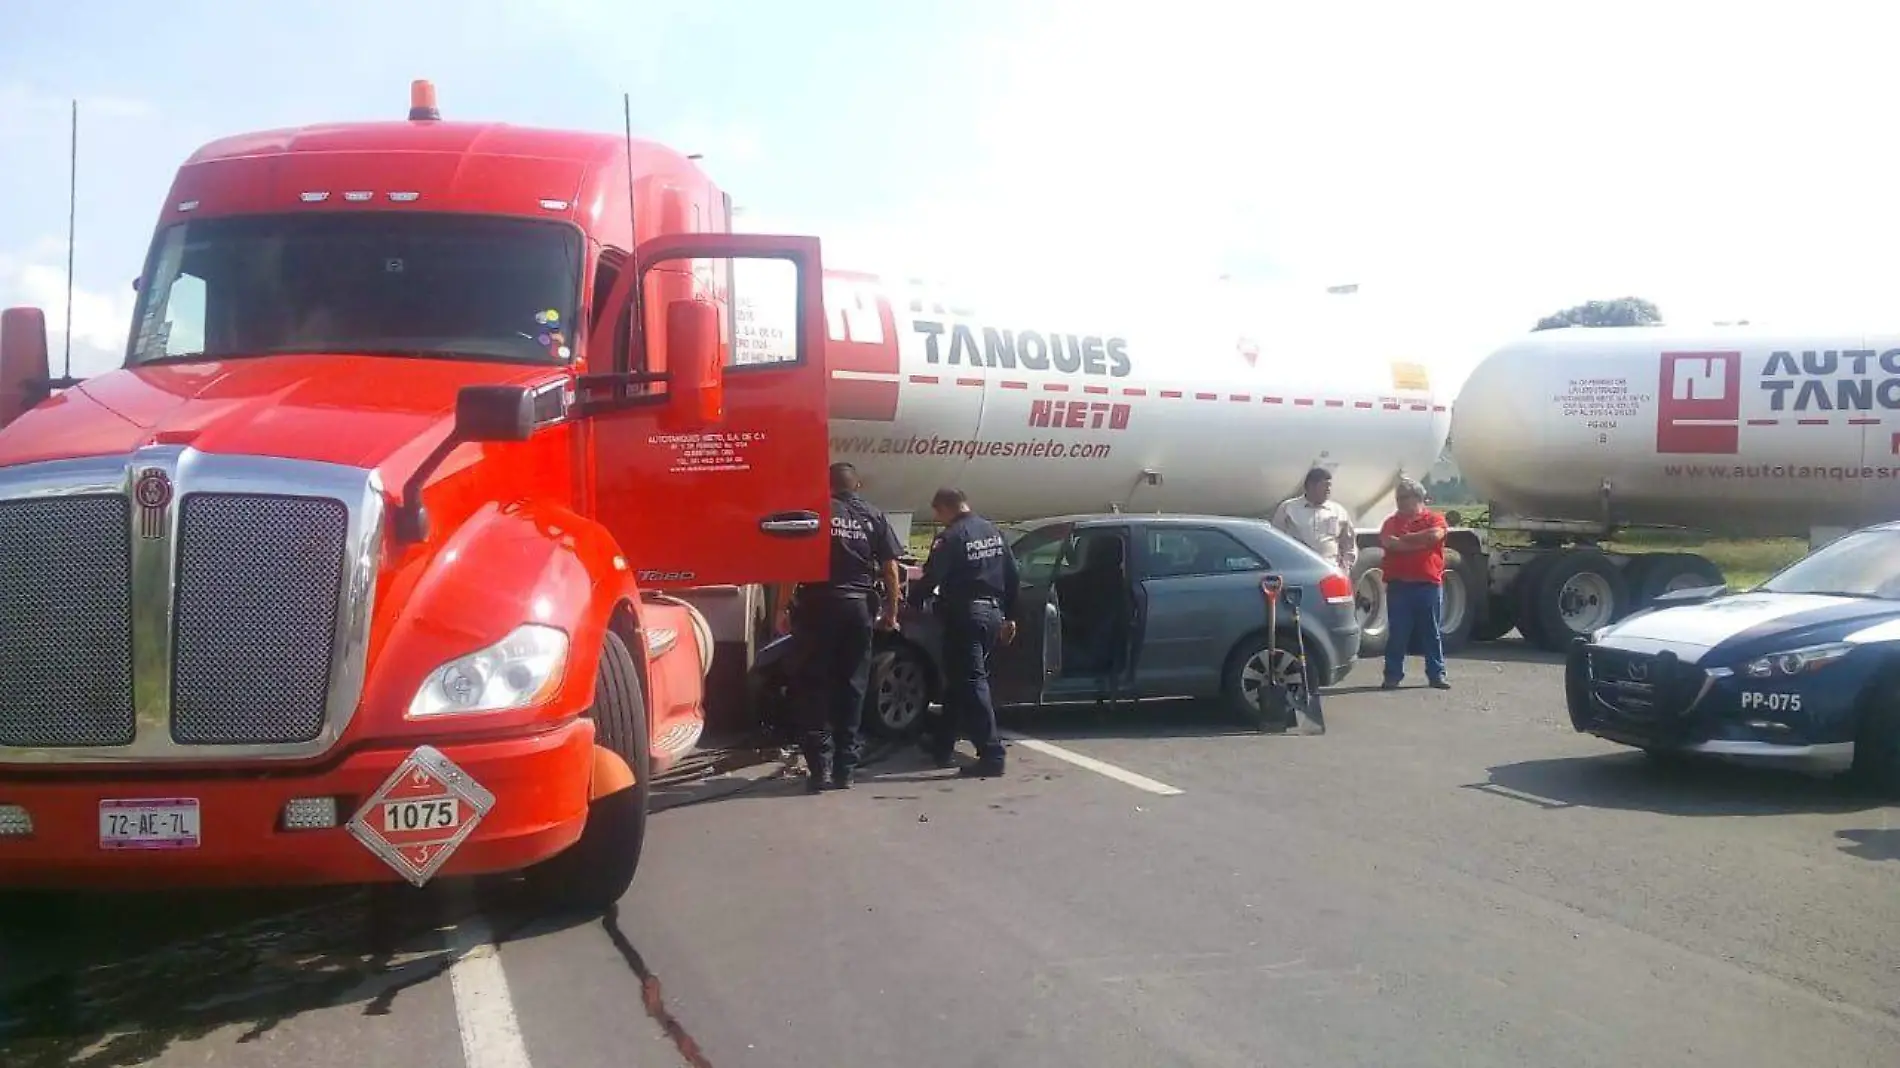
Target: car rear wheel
x: 1253, y: 665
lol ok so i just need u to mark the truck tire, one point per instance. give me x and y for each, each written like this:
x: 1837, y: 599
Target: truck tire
x: 1368, y: 594
x: 899, y: 694
x: 1243, y: 680
x: 596, y: 871
x: 1461, y: 593
x: 1523, y: 594
x: 1575, y: 592
x: 1654, y: 574
x: 1500, y: 618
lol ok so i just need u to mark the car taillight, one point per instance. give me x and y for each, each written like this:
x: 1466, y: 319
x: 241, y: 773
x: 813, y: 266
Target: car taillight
x: 1336, y: 588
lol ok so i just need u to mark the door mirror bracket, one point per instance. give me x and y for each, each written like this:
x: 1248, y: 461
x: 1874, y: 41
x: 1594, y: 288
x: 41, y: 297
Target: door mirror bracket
x: 483, y: 414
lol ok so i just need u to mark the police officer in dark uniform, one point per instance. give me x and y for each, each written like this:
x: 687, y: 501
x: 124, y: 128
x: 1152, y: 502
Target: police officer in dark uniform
x: 835, y: 620
x: 973, y: 574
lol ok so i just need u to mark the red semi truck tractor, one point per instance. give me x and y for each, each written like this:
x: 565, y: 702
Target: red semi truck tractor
x: 351, y: 573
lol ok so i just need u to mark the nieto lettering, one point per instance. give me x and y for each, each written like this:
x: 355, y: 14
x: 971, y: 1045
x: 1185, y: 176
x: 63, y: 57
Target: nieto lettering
x: 1079, y: 415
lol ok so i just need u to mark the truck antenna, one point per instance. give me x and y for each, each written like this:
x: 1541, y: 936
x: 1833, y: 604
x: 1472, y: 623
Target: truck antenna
x: 633, y: 250
x: 72, y: 230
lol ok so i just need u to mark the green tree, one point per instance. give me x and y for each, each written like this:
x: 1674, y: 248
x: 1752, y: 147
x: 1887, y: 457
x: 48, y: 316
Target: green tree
x: 1624, y: 311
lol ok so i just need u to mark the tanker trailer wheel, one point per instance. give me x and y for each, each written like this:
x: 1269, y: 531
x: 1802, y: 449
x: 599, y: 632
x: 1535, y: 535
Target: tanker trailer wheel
x: 1461, y: 592
x: 596, y: 871
x: 1368, y: 601
x: 1499, y: 618
x: 1653, y: 574
x: 899, y: 693
x: 1577, y: 592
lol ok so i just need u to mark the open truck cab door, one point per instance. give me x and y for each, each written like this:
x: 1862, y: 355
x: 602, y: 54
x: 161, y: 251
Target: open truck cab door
x: 720, y: 403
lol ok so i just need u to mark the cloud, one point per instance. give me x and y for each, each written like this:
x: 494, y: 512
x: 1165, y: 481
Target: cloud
x: 1472, y: 166
x: 100, y: 321
x: 723, y: 144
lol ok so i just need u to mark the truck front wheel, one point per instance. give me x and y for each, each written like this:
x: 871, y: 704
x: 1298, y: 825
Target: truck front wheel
x: 597, y: 870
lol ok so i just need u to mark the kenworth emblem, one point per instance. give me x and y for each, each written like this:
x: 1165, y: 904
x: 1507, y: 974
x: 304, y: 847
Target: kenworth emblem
x: 152, y: 492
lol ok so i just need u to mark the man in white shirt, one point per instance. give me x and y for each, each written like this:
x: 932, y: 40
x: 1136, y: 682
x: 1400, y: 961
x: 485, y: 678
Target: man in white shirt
x: 1319, y: 522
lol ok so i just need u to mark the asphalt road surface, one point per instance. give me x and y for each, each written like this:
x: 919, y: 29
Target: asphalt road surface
x: 1443, y: 879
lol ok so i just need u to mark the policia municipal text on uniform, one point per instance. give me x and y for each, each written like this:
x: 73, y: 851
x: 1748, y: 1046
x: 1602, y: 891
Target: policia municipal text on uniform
x: 836, y: 618
x: 973, y: 574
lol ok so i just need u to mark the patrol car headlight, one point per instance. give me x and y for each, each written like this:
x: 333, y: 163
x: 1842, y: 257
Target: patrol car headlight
x: 519, y: 671
x: 1796, y: 661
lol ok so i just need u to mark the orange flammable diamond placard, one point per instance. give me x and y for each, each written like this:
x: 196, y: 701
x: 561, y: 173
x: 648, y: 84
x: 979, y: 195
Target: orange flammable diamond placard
x: 421, y: 814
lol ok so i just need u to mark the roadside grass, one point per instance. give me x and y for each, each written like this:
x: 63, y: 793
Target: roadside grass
x: 1745, y: 562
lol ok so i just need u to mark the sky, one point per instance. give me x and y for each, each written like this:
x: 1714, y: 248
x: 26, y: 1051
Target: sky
x: 1471, y: 166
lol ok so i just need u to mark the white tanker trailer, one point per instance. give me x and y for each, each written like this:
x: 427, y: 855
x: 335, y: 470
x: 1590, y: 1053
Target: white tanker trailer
x: 1576, y: 434
x: 1036, y: 414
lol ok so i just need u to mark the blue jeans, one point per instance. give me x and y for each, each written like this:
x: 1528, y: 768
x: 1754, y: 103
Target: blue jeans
x: 1414, y: 611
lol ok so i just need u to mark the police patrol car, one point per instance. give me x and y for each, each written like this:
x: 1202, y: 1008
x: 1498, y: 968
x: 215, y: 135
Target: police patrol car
x: 1803, y: 669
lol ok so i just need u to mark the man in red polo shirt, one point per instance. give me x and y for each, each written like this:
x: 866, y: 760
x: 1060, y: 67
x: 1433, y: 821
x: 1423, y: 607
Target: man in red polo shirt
x: 1414, y: 543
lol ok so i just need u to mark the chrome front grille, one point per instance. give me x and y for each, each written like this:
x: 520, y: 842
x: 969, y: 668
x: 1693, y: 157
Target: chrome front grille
x: 65, y: 622
x: 178, y: 605
x: 258, y: 579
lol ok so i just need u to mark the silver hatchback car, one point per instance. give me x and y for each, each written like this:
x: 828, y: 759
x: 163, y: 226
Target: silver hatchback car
x: 1129, y: 607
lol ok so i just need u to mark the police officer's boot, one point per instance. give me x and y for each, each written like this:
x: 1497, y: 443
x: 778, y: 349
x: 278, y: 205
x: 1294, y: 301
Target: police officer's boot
x: 816, y: 768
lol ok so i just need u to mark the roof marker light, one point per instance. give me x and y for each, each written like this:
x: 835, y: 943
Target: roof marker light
x: 554, y: 205
x: 187, y: 205
x: 313, y: 197
x: 403, y: 198
x: 422, y: 101
x: 358, y: 196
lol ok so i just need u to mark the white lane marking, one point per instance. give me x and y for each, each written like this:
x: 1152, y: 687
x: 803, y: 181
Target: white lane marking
x: 1100, y: 767
x: 484, y: 1013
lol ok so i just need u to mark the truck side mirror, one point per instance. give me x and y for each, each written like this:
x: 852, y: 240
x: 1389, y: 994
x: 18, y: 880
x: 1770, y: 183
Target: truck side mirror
x: 23, y: 370
x: 696, y: 393
x: 494, y: 413
x: 482, y: 414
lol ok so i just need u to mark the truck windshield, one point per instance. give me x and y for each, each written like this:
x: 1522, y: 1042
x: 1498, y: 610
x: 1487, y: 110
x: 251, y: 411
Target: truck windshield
x: 379, y: 283
x: 1863, y: 564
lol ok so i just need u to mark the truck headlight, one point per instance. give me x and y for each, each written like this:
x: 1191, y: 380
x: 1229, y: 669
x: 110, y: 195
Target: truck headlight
x: 519, y: 671
x: 1796, y: 661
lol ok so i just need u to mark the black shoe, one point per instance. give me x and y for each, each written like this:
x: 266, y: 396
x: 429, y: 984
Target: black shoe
x: 1441, y: 684
x: 843, y: 782
x: 814, y: 784
x: 1389, y: 684
x: 980, y: 770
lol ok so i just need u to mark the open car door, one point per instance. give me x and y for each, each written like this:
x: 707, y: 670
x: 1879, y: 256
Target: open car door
x: 1020, y: 673
x: 710, y: 442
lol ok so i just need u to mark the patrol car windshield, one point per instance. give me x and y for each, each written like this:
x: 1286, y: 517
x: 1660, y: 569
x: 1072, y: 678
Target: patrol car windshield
x: 1863, y: 564
x: 429, y: 284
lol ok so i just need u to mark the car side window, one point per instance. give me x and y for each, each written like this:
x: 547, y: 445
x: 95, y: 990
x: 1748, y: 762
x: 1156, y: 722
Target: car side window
x: 1037, y: 552
x: 1174, y: 552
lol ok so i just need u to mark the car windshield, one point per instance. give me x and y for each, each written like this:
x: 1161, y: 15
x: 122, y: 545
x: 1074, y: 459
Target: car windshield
x: 1863, y: 564
x: 381, y: 283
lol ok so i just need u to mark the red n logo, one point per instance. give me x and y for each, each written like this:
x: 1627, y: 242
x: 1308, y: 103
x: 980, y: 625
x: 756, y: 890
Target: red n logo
x: 862, y: 351
x: 1699, y: 409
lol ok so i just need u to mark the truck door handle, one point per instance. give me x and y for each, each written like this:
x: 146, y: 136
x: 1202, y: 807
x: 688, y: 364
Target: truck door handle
x: 790, y: 524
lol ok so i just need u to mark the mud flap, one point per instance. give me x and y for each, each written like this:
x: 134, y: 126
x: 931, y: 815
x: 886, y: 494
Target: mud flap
x: 421, y: 814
